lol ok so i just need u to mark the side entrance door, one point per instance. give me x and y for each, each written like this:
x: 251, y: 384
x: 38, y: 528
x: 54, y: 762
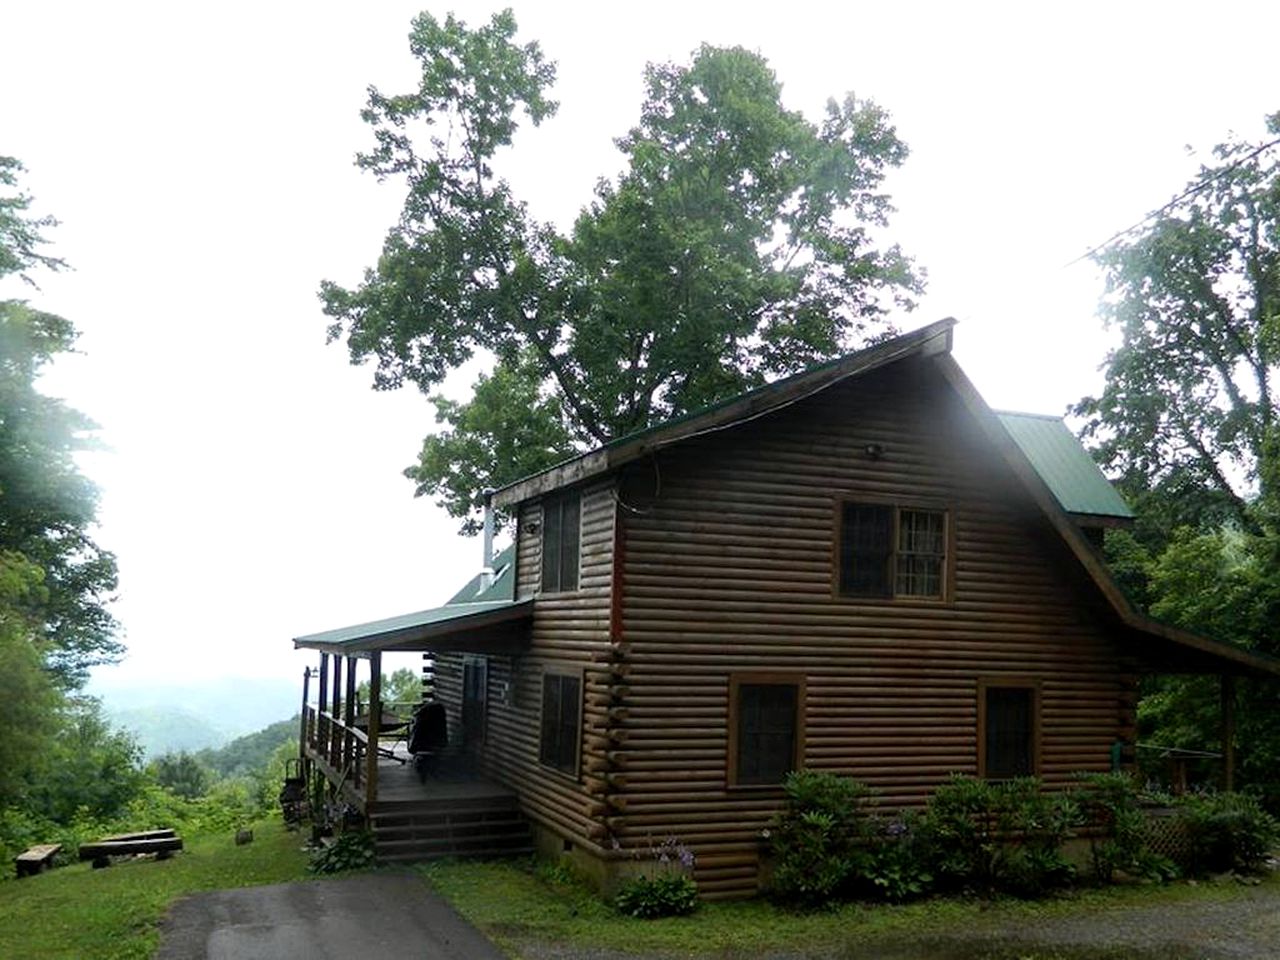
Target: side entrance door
x: 475, y: 686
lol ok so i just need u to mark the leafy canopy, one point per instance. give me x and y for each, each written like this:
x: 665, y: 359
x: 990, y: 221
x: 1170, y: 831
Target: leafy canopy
x: 46, y: 505
x: 736, y: 245
x: 1190, y: 419
x: 1190, y: 406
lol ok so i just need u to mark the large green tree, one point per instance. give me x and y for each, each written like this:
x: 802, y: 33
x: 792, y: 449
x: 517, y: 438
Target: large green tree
x: 737, y: 244
x: 46, y: 505
x: 1190, y: 412
x: 1190, y: 421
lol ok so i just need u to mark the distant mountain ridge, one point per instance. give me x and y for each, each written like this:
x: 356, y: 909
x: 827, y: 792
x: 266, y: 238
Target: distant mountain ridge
x: 167, y: 718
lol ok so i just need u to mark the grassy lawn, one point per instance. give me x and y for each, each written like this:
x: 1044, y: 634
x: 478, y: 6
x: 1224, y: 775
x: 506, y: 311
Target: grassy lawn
x: 77, y: 912
x: 526, y: 910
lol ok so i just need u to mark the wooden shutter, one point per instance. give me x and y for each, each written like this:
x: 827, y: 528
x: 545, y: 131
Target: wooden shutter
x: 551, y: 533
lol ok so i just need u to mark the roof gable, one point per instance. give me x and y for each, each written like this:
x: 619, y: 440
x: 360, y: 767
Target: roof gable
x: 927, y: 341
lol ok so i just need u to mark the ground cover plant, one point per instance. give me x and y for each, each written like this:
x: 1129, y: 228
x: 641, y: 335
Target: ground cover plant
x: 77, y: 912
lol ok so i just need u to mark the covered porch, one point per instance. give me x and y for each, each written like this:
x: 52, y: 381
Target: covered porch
x: 361, y: 750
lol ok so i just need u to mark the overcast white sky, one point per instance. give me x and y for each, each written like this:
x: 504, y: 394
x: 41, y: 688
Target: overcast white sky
x: 199, y: 158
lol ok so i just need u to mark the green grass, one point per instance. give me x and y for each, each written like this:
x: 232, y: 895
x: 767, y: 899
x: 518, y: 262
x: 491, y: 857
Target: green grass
x: 85, y: 914
x: 525, y: 908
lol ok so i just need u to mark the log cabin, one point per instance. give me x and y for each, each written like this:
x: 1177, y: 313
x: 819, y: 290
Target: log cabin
x: 861, y: 568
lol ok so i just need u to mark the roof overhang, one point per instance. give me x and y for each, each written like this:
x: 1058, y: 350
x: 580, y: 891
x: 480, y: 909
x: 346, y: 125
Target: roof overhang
x: 1160, y: 648
x: 495, y: 627
x: 927, y: 341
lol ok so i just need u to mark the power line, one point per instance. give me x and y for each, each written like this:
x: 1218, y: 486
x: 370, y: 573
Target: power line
x: 1190, y: 191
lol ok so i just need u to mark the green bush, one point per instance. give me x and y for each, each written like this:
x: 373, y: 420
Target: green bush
x: 1227, y: 831
x: 821, y: 840
x: 1112, y: 805
x: 352, y: 850
x: 1004, y: 836
x: 899, y: 867
x: 666, y: 895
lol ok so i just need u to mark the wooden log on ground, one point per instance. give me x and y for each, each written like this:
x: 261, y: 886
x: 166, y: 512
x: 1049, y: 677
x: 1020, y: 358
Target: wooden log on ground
x: 143, y: 835
x: 35, y: 859
x: 124, y: 848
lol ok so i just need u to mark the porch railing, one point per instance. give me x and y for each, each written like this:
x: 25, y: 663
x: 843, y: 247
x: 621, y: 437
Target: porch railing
x: 341, y: 748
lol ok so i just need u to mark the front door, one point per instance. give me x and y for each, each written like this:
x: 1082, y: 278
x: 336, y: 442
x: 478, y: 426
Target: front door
x: 475, y: 685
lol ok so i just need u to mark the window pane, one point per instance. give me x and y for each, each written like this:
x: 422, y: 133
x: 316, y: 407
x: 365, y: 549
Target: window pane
x: 921, y: 552
x: 567, y: 759
x: 561, y: 703
x: 766, y: 731
x: 550, y: 718
x: 551, y: 545
x: 1010, y: 725
x: 569, y: 527
x: 866, y: 545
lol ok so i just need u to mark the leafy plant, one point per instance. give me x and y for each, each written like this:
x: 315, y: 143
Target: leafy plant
x: 1227, y: 831
x: 1118, y: 841
x: 352, y: 850
x: 821, y: 839
x: 899, y: 867
x: 666, y: 895
x: 1000, y: 836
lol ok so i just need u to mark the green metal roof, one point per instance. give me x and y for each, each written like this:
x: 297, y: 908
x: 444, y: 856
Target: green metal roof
x: 503, y: 586
x: 1064, y: 465
x: 469, y: 608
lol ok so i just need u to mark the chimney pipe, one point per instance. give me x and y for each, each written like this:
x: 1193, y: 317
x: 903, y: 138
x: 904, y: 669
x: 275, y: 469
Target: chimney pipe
x: 486, y: 568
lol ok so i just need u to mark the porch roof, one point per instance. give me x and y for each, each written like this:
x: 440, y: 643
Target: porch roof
x: 477, y: 618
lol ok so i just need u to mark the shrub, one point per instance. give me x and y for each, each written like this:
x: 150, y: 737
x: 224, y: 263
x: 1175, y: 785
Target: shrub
x: 352, y: 850
x: 1112, y: 805
x: 899, y: 867
x: 666, y: 895
x: 821, y: 839
x: 1227, y: 831
x: 999, y: 836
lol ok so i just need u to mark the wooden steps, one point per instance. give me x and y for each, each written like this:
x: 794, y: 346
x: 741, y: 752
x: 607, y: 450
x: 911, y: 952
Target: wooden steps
x: 470, y: 828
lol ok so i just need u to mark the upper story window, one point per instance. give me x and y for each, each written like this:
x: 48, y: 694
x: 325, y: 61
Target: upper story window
x: 888, y: 551
x: 561, y: 528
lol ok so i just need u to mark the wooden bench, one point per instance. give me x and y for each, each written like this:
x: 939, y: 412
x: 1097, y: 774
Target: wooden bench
x: 36, y: 859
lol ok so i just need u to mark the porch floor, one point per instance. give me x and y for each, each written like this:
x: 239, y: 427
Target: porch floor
x: 452, y: 779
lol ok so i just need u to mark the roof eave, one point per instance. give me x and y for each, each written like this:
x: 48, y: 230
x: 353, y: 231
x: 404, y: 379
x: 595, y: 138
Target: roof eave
x: 398, y: 638
x: 1231, y: 659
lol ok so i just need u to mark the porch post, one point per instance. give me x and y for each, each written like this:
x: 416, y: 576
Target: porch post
x: 335, y: 734
x: 302, y: 732
x: 375, y: 721
x: 322, y: 725
x: 349, y: 714
x: 1228, y: 732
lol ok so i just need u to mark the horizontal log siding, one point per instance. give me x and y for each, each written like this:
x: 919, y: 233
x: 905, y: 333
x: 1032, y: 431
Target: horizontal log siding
x: 728, y: 567
x: 570, y: 632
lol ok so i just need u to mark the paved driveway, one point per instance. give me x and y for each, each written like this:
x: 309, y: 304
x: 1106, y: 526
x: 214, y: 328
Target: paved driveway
x: 364, y: 917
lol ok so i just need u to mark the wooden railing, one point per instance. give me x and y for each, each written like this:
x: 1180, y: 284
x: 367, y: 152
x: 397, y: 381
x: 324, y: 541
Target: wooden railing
x: 341, y: 748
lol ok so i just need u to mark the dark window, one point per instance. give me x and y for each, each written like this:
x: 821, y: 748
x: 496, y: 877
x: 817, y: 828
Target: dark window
x: 888, y: 551
x: 1009, y: 737
x: 767, y: 722
x: 560, y: 534
x: 561, y: 697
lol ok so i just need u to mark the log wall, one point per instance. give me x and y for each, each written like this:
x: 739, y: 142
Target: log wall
x: 728, y: 567
x: 570, y: 633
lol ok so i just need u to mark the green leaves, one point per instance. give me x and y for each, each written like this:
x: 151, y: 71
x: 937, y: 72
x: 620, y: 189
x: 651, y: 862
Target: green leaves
x: 1195, y: 293
x: 735, y: 246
